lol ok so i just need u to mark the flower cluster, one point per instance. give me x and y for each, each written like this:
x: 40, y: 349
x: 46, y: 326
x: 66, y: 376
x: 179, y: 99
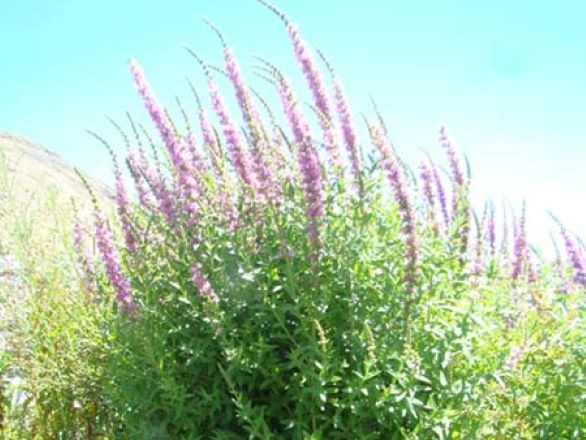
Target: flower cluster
x: 202, y: 284
x: 235, y: 176
x: 111, y: 260
x: 307, y: 157
x: 316, y: 85
x: 397, y: 180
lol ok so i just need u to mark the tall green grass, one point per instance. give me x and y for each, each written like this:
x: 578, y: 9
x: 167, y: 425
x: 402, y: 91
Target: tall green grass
x: 54, y: 331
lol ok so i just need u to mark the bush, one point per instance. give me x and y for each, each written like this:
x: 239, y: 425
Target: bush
x: 294, y: 280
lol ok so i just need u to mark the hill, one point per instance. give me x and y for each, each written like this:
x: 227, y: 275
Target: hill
x: 29, y: 167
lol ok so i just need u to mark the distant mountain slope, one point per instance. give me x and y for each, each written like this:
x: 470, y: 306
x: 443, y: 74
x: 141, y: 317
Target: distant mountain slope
x: 31, y: 167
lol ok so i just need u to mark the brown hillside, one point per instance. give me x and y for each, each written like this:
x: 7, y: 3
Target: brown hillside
x: 30, y: 167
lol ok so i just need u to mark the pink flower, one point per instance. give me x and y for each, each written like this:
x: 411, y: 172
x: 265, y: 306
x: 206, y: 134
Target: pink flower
x: 238, y: 153
x: 307, y: 159
x: 84, y: 256
x: 349, y: 132
x: 138, y: 171
x: 202, y: 284
x: 427, y: 181
x: 457, y: 172
x: 441, y: 194
x: 491, y: 230
x: 396, y: 177
x: 124, y: 213
x: 575, y: 255
x: 109, y: 255
x: 178, y: 152
x: 521, y: 257
x: 317, y: 88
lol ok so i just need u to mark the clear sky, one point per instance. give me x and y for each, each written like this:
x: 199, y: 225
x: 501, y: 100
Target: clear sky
x: 508, y: 78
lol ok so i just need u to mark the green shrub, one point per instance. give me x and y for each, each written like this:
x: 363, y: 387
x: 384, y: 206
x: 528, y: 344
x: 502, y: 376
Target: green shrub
x: 268, y: 288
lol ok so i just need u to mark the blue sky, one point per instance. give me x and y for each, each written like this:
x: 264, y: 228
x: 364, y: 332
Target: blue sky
x: 508, y: 78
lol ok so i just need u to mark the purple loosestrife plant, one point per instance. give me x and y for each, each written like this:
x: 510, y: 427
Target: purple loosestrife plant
x: 161, y: 190
x: 318, y: 90
x: 460, y: 202
x: 427, y: 180
x: 258, y: 141
x: 202, y: 284
x: 156, y: 111
x: 197, y: 162
x: 107, y: 248
x: 178, y: 151
x: 307, y: 158
x: 505, y: 251
x: 146, y: 175
x: 477, y: 263
x: 316, y: 85
x: 225, y: 185
x: 326, y: 304
x: 239, y: 155
x: 575, y: 256
x: 145, y: 194
x: 398, y: 182
x: 441, y: 193
x: 491, y: 229
x: 122, y: 200
x: 141, y: 170
x: 210, y: 141
x: 84, y: 257
x: 520, y: 249
x: 124, y: 210
x: 347, y: 125
x: 457, y: 171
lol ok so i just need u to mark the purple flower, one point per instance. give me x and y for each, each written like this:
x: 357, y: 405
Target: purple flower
x: 349, y: 133
x: 441, y: 193
x: 245, y: 102
x: 491, y: 229
x: 316, y: 85
x: 520, y: 249
x: 307, y: 158
x: 84, y: 256
x: 210, y: 140
x: 145, y: 196
x: 190, y: 187
x: 238, y: 154
x: 197, y: 162
x: 156, y: 112
x: 189, y: 190
x: 532, y: 273
x: 123, y: 204
x: 396, y: 177
x: 207, y: 132
x: 575, y: 255
x: 155, y: 179
x: 457, y: 172
x: 202, y: 284
x: 109, y: 255
x: 427, y: 180
x: 505, y: 241
x: 259, y: 145
x: 460, y: 205
x: 477, y: 261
